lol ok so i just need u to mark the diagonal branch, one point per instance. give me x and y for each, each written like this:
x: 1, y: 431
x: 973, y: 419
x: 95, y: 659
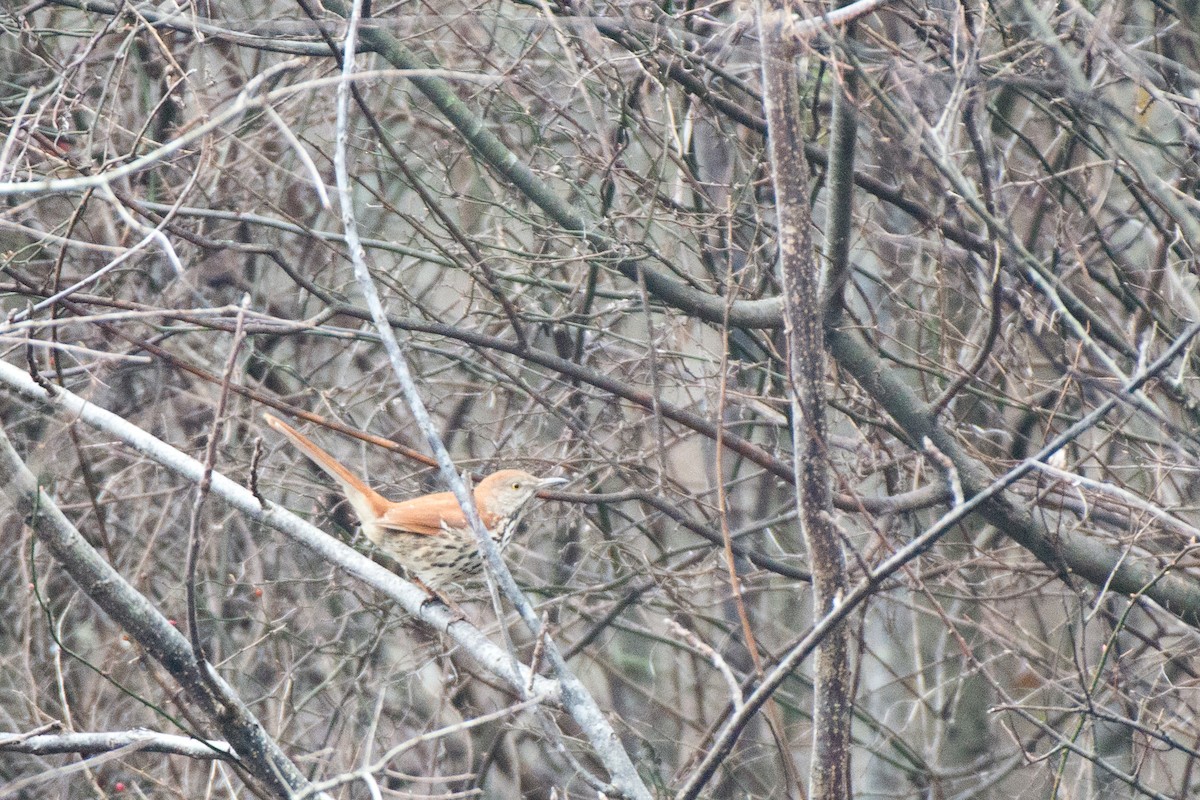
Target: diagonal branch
x: 575, y: 697
x: 414, y: 601
x: 258, y: 754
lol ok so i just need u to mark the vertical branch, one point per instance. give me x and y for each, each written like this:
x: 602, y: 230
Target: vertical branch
x: 843, y: 136
x: 804, y: 332
x: 202, y: 488
x: 774, y: 718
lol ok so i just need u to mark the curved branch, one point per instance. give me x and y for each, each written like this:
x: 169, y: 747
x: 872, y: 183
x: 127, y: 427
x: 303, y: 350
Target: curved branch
x: 272, y: 37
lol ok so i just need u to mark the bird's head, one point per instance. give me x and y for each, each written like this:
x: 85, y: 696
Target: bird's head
x: 503, y: 493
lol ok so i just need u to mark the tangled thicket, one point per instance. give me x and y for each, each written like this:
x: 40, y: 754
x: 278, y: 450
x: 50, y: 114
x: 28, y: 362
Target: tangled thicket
x: 569, y: 214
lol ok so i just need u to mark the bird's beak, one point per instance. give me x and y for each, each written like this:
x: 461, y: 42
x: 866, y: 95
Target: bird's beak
x: 545, y: 483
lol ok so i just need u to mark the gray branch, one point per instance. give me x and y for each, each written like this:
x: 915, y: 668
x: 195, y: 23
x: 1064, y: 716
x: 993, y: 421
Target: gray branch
x: 468, y: 638
x: 257, y: 752
x: 88, y: 744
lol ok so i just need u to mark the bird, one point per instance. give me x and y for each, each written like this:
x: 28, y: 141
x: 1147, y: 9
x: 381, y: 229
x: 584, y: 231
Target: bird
x: 428, y: 535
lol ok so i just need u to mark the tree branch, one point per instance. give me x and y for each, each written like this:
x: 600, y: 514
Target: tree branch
x: 87, y: 744
x: 829, y: 772
x: 413, y: 600
x: 258, y: 754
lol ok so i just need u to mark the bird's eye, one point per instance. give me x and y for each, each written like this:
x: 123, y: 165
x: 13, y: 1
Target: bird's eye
x: 516, y: 485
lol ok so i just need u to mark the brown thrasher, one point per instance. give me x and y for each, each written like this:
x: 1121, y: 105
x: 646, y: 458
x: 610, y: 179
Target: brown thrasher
x: 429, y: 535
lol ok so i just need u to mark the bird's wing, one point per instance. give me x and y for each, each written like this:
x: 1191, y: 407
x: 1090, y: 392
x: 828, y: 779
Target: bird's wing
x: 424, y: 515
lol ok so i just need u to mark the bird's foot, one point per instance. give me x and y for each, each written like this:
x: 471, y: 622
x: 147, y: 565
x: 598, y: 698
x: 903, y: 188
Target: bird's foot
x: 435, y: 596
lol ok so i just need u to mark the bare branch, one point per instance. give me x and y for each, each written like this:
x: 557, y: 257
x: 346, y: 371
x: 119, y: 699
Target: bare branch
x: 96, y: 743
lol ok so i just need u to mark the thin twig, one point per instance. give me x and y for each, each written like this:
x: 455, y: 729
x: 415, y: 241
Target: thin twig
x: 195, y: 540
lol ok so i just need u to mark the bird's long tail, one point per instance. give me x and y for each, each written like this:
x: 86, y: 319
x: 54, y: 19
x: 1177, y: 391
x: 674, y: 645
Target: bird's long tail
x: 366, y: 502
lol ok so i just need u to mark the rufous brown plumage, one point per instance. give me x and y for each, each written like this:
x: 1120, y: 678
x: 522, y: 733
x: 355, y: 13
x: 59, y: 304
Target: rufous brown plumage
x: 429, y: 535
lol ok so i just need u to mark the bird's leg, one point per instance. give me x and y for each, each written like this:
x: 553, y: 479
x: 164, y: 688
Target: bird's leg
x: 436, y: 596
